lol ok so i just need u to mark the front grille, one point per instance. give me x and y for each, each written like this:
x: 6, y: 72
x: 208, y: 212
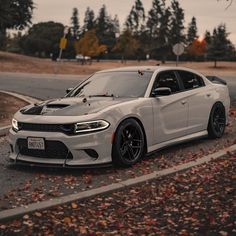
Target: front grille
x: 53, y: 150
x: 67, y: 129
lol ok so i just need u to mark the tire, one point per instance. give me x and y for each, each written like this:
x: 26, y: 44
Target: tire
x: 129, y: 144
x: 217, y: 121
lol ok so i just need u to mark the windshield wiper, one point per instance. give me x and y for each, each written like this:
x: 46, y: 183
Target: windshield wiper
x: 103, y: 95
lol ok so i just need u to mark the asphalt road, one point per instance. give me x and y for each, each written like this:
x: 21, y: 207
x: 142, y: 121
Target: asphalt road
x: 52, y: 86
x: 39, y: 86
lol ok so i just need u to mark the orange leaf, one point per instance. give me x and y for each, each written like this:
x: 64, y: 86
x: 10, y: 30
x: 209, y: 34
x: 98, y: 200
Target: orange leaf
x: 74, y: 205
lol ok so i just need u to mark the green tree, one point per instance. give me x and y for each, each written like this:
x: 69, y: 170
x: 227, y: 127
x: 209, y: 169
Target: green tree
x: 164, y: 30
x: 116, y: 24
x: 208, y: 37
x: 14, y: 14
x: 136, y: 18
x: 42, y: 39
x: 106, y: 30
x: 220, y: 47
x: 176, y: 23
x: 192, y: 31
x: 13, y: 42
x: 89, y: 20
x: 158, y: 28
x: 75, y: 23
x: 154, y: 17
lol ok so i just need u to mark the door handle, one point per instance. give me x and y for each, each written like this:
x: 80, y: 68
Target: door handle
x: 208, y: 94
x: 183, y: 102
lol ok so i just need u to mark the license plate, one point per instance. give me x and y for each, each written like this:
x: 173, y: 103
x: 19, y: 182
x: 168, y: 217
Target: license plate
x: 36, y: 143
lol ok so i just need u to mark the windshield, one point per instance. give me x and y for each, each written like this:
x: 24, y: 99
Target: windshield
x: 115, y: 84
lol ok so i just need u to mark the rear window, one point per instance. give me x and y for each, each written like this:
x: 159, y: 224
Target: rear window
x: 191, y: 80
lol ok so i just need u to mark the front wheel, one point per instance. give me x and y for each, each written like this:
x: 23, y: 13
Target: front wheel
x: 129, y: 144
x: 217, y: 121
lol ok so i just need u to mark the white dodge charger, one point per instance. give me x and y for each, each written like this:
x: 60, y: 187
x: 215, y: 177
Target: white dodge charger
x: 117, y: 116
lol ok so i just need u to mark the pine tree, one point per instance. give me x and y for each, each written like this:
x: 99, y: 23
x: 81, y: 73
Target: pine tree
x: 207, y: 37
x: 89, y: 20
x: 116, y: 24
x: 158, y: 28
x: 176, y: 23
x: 164, y: 31
x: 105, y: 28
x: 220, y: 46
x: 75, y: 23
x: 136, y: 18
x: 154, y: 17
x: 192, y: 31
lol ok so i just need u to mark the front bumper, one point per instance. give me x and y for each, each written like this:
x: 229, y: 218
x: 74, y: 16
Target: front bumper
x: 77, y: 146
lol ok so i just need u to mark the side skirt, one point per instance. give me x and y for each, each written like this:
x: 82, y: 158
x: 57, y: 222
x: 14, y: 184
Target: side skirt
x: 177, y: 140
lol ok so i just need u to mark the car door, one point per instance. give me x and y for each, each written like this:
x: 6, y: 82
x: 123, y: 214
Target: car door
x: 170, y: 112
x: 199, y: 101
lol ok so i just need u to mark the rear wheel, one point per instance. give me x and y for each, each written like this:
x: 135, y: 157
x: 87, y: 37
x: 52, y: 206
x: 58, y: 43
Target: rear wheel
x: 217, y: 121
x: 129, y: 144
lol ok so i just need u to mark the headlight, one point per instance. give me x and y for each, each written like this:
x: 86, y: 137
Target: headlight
x: 15, y: 125
x: 90, y: 126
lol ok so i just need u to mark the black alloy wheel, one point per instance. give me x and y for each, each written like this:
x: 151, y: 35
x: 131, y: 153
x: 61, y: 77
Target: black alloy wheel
x: 217, y: 121
x: 129, y: 144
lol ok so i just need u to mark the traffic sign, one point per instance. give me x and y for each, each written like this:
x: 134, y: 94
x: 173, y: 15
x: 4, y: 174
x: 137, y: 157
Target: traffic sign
x: 63, y: 43
x: 178, y: 49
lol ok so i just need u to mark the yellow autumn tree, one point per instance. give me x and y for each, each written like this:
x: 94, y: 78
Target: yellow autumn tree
x: 127, y: 45
x: 89, y: 45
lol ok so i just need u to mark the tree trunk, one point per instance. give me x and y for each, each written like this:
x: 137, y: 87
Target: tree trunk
x: 2, y: 38
x: 215, y: 63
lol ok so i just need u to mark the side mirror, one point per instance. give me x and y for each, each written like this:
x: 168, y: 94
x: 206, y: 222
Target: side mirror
x: 69, y: 90
x: 162, y: 91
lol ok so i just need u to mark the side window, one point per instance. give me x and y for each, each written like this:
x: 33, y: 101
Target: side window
x: 200, y: 80
x: 167, y: 79
x: 190, y: 80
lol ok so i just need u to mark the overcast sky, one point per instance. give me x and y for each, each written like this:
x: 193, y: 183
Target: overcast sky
x: 209, y: 13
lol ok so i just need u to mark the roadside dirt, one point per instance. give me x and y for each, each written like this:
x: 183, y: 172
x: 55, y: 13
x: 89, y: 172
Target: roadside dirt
x: 10, y: 62
x: 8, y: 106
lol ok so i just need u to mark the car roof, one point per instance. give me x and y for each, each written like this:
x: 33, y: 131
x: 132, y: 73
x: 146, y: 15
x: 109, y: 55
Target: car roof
x: 146, y: 68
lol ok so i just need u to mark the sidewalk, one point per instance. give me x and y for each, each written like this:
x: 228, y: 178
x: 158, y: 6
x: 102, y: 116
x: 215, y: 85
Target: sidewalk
x: 199, y: 201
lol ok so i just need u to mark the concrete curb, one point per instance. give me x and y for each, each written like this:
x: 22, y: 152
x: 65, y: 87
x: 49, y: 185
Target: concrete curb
x: 4, y: 130
x: 22, y: 97
x: 16, y: 212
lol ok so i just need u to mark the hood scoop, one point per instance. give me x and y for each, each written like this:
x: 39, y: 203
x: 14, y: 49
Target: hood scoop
x: 43, y: 108
x: 56, y: 106
x: 53, y: 107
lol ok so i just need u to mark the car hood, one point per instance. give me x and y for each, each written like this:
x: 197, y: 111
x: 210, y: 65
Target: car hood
x: 72, y: 106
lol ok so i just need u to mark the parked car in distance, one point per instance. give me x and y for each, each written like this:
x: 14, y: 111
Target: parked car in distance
x: 117, y: 116
x: 83, y: 59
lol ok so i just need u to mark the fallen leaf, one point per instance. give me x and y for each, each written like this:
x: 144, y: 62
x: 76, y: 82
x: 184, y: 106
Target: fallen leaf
x: 74, y: 205
x: 67, y: 220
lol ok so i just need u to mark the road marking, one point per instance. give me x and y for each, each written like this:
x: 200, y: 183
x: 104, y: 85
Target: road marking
x: 19, y: 211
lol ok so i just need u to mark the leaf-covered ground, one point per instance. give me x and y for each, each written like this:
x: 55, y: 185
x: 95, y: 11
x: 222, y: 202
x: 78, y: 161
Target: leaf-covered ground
x: 21, y: 186
x: 199, y: 201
